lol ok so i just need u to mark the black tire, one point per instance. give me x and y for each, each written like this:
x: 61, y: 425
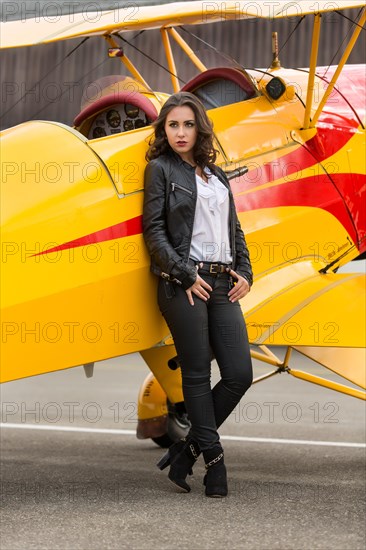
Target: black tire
x: 178, y: 425
x: 163, y: 441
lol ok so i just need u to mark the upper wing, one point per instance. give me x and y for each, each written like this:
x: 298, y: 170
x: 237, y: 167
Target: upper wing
x: 29, y: 32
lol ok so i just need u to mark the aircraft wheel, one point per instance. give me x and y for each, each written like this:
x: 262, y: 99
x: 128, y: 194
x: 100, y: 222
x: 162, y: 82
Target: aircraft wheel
x: 177, y: 427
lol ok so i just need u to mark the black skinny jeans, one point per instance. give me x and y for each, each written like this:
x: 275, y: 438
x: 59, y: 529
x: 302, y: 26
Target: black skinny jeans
x: 216, y: 325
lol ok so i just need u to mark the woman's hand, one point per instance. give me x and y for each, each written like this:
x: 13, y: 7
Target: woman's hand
x: 240, y: 289
x: 199, y: 288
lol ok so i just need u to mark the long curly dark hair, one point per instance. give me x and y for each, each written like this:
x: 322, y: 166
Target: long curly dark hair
x: 204, y: 152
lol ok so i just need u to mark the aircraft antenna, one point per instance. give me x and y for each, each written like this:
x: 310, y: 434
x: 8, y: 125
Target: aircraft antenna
x: 276, y: 64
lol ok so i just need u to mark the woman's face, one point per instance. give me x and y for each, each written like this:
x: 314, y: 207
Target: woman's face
x: 181, y: 131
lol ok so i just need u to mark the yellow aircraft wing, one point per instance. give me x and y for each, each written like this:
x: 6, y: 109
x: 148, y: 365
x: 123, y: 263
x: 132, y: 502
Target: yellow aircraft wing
x: 29, y: 32
x: 298, y: 306
x: 315, y: 313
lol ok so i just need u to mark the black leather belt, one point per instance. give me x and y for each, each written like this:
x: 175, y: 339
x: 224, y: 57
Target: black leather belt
x: 214, y: 268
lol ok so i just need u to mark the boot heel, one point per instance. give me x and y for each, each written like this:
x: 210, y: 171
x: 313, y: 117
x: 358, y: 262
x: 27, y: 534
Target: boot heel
x: 173, y: 450
x: 164, y: 461
x: 181, y: 457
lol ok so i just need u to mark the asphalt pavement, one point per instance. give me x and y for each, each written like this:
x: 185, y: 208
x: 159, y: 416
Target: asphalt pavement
x: 74, y: 476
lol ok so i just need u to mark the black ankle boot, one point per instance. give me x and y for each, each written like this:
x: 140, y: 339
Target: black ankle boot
x: 215, y: 479
x: 181, y: 456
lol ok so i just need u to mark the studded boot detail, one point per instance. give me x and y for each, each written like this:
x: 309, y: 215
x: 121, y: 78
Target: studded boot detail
x: 215, y: 479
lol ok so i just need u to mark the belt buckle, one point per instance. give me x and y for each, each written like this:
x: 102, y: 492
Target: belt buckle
x: 214, y: 268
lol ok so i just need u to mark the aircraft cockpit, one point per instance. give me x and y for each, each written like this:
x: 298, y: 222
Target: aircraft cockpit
x: 120, y: 105
x: 222, y: 86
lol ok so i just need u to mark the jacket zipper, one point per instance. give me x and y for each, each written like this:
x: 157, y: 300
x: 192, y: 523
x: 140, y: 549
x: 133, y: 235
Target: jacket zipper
x: 191, y: 228
x: 176, y: 185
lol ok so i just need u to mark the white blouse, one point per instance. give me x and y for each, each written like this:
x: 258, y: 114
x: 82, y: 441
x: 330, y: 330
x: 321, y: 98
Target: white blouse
x: 210, y: 237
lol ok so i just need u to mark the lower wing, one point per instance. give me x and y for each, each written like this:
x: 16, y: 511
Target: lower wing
x: 322, y: 316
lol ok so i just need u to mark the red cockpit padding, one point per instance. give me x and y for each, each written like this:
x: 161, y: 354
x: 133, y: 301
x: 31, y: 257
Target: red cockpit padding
x: 132, y: 98
x: 227, y: 73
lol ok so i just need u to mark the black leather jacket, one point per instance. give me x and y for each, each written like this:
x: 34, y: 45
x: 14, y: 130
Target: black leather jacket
x: 169, y: 209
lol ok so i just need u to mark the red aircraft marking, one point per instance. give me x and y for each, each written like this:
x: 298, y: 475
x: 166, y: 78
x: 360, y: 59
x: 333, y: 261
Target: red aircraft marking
x: 316, y: 150
x: 292, y: 193
x: 127, y: 228
x: 316, y: 192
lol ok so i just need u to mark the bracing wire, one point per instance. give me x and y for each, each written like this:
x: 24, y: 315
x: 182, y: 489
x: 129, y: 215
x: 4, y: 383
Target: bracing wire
x: 149, y: 57
x: 354, y: 24
x: 231, y: 58
x: 44, y: 77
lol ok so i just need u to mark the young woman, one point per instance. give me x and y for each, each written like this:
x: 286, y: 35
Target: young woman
x: 198, y: 249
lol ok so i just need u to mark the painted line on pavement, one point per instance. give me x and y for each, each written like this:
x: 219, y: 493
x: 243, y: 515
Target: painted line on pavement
x: 294, y: 441
x: 110, y: 431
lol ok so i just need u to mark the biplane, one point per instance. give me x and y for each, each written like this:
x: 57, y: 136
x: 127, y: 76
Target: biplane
x: 76, y: 285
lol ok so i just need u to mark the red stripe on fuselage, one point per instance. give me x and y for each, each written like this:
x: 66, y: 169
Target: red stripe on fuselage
x: 123, y: 229
x: 316, y: 192
x: 321, y: 147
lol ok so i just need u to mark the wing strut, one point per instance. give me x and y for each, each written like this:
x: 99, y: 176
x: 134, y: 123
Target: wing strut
x: 313, y: 61
x: 283, y: 366
x: 341, y: 64
x: 187, y: 49
x: 170, y: 59
x: 165, y: 32
x: 330, y: 384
